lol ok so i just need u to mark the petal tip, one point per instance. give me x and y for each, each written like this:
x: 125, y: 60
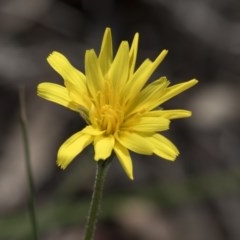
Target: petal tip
x: 165, y: 51
x: 61, y: 165
x: 107, y: 29
x: 53, y: 54
x: 129, y: 174
x: 194, y: 81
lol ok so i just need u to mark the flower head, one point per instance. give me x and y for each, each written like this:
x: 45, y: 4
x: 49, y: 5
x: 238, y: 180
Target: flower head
x: 121, y: 110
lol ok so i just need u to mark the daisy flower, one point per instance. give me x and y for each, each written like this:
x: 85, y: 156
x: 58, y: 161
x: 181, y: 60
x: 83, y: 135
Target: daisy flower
x: 122, y: 111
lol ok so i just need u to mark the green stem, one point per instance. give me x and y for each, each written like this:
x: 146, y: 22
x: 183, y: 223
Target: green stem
x: 102, y: 167
x: 23, y: 121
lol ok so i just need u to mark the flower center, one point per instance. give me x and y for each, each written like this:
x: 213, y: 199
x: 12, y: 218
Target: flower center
x: 108, y: 119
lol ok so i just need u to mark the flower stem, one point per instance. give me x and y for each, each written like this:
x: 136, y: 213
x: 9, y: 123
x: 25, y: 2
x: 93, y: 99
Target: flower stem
x: 23, y: 121
x: 102, y: 167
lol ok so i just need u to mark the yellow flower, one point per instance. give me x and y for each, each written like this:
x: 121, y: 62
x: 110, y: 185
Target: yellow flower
x: 121, y: 111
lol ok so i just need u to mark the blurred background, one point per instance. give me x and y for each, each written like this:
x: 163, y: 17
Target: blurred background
x: 195, y: 198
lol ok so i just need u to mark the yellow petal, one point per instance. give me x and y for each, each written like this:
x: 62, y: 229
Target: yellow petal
x: 124, y: 158
x: 95, y: 81
x: 147, y: 124
x: 159, y: 59
x: 143, y: 74
x: 56, y: 93
x: 72, y: 147
x: 74, y: 80
x: 103, y: 146
x: 163, y: 147
x: 90, y: 130
x: 106, y: 53
x: 133, y: 54
x: 69, y: 73
x: 176, y: 89
x: 135, y: 84
x: 81, y: 98
x: 170, y: 114
x: 118, y: 72
x: 135, y: 142
x: 149, y: 97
